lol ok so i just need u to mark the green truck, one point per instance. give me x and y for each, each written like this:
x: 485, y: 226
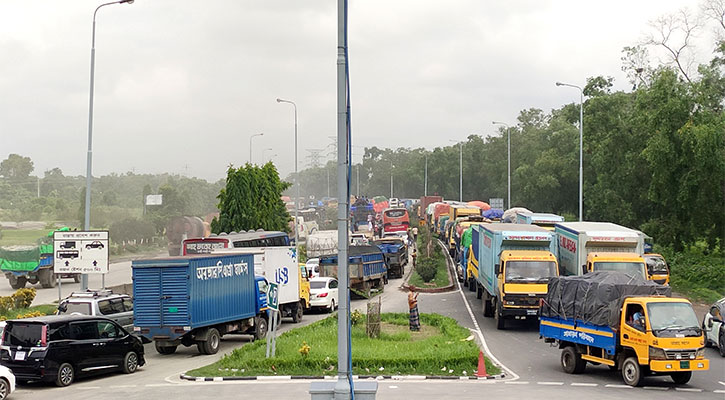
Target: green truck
x: 31, y: 263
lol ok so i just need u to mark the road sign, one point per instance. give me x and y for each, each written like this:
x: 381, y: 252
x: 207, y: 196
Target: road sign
x: 496, y: 202
x: 273, y: 296
x: 154, y: 199
x: 80, y: 252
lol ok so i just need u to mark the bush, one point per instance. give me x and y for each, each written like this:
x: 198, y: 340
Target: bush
x: 699, y: 275
x: 23, y: 298
x: 426, y: 268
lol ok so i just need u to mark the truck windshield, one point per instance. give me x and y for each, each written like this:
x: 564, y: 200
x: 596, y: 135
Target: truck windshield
x: 672, y: 319
x: 632, y: 268
x: 530, y: 271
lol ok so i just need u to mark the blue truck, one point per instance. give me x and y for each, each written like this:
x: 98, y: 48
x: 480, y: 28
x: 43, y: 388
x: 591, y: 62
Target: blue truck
x: 197, y: 299
x: 396, y: 255
x: 366, y: 266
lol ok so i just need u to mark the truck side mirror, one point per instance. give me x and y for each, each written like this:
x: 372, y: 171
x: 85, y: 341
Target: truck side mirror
x: 642, y: 322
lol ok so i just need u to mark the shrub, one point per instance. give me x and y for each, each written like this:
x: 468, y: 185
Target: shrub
x: 23, y: 298
x: 426, y: 268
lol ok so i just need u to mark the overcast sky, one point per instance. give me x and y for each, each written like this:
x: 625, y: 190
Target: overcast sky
x: 181, y: 85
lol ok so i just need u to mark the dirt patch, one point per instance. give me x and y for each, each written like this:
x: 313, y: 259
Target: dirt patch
x: 425, y: 331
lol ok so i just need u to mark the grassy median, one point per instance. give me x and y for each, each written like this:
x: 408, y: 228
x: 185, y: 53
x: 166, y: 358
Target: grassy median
x: 441, y: 348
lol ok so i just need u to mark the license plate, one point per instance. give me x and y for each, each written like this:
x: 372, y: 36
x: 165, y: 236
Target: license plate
x: 19, y: 355
x: 684, y: 364
x: 530, y: 312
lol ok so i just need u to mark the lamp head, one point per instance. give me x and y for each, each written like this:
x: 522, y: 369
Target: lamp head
x: 279, y: 100
x: 559, y: 83
x: 127, y: 1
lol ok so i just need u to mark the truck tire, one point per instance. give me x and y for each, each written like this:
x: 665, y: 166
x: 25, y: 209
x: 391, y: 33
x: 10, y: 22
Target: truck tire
x: 631, y: 372
x: 260, y: 330
x: 498, y: 314
x: 487, y: 307
x: 472, y: 284
x: 46, y: 278
x: 571, y: 361
x: 164, y: 349
x: 479, y: 291
x: 211, y: 344
x: 18, y: 282
x: 681, y: 377
x: 465, y: 282
x: 297, y: 313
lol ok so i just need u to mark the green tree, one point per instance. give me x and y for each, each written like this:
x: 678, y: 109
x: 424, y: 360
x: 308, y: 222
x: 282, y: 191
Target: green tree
x: 16, y: 167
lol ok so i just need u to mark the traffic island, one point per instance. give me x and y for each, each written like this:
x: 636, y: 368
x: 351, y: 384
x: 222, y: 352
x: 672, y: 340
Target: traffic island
x: 442, y: 349
x: 432, y: 272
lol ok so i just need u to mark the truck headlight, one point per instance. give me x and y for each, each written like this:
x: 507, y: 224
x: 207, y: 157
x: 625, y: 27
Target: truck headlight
x: 656, y: 353
x: 700, y: 353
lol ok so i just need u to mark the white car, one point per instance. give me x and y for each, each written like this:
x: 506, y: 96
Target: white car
x: 323, y: 293
x: 7, y: 382
x: 313, y: 267
x: 714, y: 328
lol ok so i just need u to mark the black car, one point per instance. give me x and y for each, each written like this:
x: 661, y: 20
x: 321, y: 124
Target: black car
x: 59, y: 348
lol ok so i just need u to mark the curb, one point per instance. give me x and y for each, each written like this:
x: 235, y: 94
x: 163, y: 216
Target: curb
x: 330, y: 377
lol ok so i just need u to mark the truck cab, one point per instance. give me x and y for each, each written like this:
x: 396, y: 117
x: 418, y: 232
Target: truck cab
x: 629, y: 263
x: 657, y: 268
x: 523, y: 276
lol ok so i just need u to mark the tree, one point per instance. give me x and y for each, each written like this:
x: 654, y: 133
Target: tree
x: 16, y: 167
x: 251, y: 199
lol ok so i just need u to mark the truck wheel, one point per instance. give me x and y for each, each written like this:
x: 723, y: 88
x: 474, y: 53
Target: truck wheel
x: 500, y: 321
x: 479, y: 291
x: 681, y: 377
x: 46, y: 278
x: 465, y: 282
x: 297, y: 313
x: 631, y: 373
x: 261, y: 328
x: 487, y: 308
x: 164, y: 349
x: 571, y: 361
x: 18, y: 283
x: 211, y: 345
x: 471, y: 284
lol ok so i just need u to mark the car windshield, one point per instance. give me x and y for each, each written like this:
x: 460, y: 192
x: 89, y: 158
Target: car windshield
x: 78, y: 308
x: 318, y: 284
x: 632, y: 268
x: 23, y: 334
x: 530, y: 270
x: 670, y: 319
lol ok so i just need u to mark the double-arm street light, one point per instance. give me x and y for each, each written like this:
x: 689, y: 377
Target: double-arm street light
x: 264, y: 151
x: 87, y: 222
x: 581, y: 145
x: 508, y: 158
x: 460, y: 169
x: 297, y: 180
x: 250, y: 145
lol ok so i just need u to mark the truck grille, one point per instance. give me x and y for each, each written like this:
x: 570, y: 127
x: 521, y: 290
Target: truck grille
x: 680, y: 354
x: 523, y: 299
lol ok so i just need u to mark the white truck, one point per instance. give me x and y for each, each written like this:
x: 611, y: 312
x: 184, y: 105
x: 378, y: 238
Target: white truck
x: 599, y: 246
x: 322, y: 243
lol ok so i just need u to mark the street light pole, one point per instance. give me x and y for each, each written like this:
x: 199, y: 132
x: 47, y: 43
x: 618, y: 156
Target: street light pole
x: 581, y: 146
x: 263, y: 151
x: 297, y: 180
x: 358, y: 180
x: 460, y: 170
x: 425, y: 190
x: 250, y: 145
x: 508, y: 158
x: 391, y: 179
x: 89, y: 157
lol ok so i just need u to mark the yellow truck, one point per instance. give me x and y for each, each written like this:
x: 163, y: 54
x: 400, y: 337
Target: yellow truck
x: 629, y: 263
x: 657, y: 268
x: 631, y: 326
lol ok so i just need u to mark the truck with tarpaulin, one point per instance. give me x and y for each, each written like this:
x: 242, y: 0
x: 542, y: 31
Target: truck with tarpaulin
x: 544, y: 220
x: 366, y: 266
x: 625, y: 322
x: 599, y: 246
x: 515, y: 263
x: 361, y: 211
x: 32, y: 264
x: 195, y: 300
x: 425, y: 201
x: 396, y: 255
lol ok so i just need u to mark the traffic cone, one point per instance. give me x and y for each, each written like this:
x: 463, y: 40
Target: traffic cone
x: 481, y: 371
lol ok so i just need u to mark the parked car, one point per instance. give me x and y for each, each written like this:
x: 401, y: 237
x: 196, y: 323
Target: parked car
x: 117, y: 307
x: 714, y: 328
x: 59, y: 348
x: 324, y: 293
x: 7, y: 382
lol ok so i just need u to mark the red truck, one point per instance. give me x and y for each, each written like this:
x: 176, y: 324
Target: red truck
x: 424, y: 202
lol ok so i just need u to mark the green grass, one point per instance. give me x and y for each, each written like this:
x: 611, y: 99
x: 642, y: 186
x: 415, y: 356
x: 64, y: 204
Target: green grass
x: 45, y: 309
x: 12, y: 237
x: 440, y: 344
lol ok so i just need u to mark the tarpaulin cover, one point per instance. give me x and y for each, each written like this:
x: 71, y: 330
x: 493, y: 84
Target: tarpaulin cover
x: 596, y: 298
x: 480, y: 204
x: 493, y: 213
x: 466, y: 238
x: 510, y: 214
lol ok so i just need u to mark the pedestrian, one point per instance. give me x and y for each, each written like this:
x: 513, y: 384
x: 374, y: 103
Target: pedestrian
x: 413, y: 307
x: 415, y: 233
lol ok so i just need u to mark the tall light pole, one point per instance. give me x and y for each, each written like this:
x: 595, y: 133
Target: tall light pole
x: 460, y: 170
x: 87, y: 222
x: 250, y: 145
x: 271, y: 157
x: 297, y: 180
x: 508, y: 158
x: 358, y: 180
x: 392, y: 167
x: 263, y: 151
x: 581, y: 146
x: 425, y: 189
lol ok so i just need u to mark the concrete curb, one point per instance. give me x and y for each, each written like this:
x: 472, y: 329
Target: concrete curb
x: 273, y: 378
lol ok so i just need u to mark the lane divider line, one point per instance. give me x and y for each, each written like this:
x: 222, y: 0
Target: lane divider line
x: 618, y: 386
x: 550, y: 383
x: 679, y: 389
x: 584, y: 384
x: 656, y: 388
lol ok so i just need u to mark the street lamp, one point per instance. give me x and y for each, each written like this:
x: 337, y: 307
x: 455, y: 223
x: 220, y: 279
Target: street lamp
x: 263, y: 151
x: 581, y: 145
x: 87, y: 222
x: 297, y: 180
x: 271, y: 157
x: 508, y: 158
x: 391, y: 179
x: 460, y: 169
x: 425, y: 184
x: 250, y: 145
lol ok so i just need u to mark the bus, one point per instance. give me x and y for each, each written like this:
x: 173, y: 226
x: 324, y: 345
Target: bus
x: 258, y: 238
x: 395, y: 220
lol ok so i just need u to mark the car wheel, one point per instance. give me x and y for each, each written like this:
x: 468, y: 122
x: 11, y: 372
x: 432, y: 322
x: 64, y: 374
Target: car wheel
x: 66, y: 374
x: 332, y: 306
x: 721, y: 342
x: 571, y: 361
x: 4, y: 388
x: 164, y: 349
x: 681, y: 377
x: 130, y: 362
x: 631, y: 372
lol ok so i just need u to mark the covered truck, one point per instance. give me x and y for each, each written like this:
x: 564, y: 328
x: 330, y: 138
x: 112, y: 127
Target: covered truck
x: 424, y: 202
x: 514, y: 263
x: 544, y: 220
x: 366, y: 267
x: 396, y: 255
x: 599, y: 246
x: 321, y: 243
x: 197, y: 299
x: 625, y: 322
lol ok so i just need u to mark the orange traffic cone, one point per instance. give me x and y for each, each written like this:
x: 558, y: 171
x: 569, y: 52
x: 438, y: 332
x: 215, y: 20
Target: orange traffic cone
x: 481, y: 372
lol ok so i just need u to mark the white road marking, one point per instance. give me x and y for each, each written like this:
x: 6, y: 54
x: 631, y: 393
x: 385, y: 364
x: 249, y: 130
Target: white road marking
x: 160, y: 384
x: 122, y: 386
x: 679, y: 389
x: 479, y: 333
x: 585, y: 384
x: 619, y: 386
x: 718, y: 391
x: 550, y: 383
x: 392, y: 387
x: 721, y: 382
x: 656, y: 388
x: 516, y: 383
x: 88, y: 387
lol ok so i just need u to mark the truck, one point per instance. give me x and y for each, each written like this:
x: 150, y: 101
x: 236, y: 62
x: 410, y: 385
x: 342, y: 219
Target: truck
x: 544, y: 220
x: 599, y: 246
x: 514, y: 264
x: 625, y: 322
x: 22, y: 264
x: 396, y: 255
x: 366, y: 266
x: 321, y: 243
x: 195, y: 300
x: 424, y: 202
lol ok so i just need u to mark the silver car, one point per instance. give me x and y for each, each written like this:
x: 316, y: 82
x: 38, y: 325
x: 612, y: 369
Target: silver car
x: 100, y: 303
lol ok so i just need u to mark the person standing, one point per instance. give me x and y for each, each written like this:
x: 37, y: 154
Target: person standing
x: 413, y: 307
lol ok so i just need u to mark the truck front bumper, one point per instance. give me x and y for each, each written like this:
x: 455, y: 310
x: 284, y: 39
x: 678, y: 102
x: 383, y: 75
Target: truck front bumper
x: 520, y: 312
x: 679, y: 365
